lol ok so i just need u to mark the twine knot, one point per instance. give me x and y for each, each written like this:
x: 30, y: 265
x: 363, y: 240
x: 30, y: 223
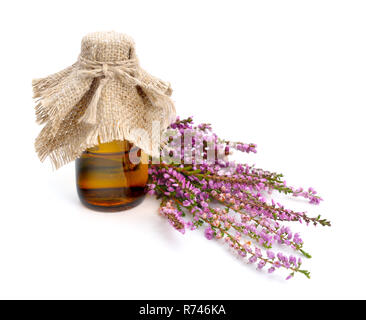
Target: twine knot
x: 108, y: 92
x: 125, y: 70
x: 106, y: 72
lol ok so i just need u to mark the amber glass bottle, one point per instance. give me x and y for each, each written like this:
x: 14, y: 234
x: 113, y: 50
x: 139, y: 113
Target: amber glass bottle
x: 112, y: 176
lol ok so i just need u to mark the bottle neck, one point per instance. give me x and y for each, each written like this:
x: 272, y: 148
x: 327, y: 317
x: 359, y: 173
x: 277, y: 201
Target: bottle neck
x: 115, y: 146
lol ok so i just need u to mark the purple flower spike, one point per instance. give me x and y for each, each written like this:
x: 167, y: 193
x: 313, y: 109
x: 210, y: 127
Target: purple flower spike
x: 209, y: 233
x: 232, y: 201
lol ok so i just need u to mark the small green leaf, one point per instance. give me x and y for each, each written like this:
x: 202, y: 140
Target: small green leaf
x: 307, y: 255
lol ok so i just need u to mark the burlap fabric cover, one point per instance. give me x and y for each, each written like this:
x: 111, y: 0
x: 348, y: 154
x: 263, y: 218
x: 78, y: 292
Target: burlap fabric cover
x: 104, y: 96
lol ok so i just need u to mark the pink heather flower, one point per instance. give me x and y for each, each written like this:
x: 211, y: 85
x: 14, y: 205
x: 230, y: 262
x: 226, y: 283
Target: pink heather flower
x: 297, y: 239
x: 209, y: 233
x: 220, y: 193
x: 186, y: 203
x: 271, y: 270
x: 252, y: 259
x: 218, y: 235
x: 204, y: 204
x: 270, y: 255
x: 258, y: 252
x: 289, y: 277
x: 182, y: 230
x: 292, y: 260
x: 189, y: 225
x: 243, y: 253
x: 311, y: 190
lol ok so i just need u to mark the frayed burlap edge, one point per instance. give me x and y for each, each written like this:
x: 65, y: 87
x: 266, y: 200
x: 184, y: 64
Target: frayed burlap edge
x: 64, y: 101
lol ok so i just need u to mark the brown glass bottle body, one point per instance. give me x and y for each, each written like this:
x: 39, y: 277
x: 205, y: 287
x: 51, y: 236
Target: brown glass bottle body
x: 112, y: 176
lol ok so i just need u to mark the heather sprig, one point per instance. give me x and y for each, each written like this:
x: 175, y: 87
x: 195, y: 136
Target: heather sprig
x: 199, y: 187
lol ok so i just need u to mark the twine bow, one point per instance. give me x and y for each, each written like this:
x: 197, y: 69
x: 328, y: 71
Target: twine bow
x: 98, y: 101
x: 127, y: 71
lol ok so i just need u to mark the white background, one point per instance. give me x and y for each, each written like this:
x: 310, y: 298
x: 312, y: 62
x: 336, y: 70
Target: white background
x: 287, y: 75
